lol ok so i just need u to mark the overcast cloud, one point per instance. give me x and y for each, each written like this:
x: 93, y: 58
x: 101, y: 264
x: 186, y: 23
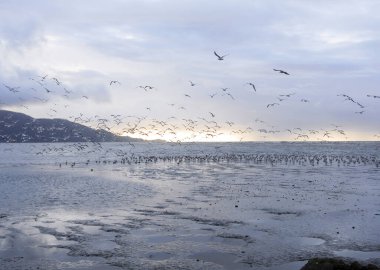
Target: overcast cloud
x: 328, y: 47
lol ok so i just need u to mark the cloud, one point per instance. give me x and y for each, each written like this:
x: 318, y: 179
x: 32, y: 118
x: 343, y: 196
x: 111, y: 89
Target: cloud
x: 329, y: 49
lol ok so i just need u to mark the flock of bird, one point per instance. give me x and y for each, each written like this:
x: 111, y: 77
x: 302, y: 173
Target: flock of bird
x: 258, y: 159
x: 120, y: 154
x: 206, y: 127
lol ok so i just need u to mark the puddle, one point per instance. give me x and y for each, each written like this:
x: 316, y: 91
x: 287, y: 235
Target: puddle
x: 4, y: 244
x: 91, y: 229
x: 228, y: 261
x: 160, y: 239
x: 159, y: 256
x: 358, y: 255
x: 287, y: 266
x: 102, y: 244
x: 309, y: 241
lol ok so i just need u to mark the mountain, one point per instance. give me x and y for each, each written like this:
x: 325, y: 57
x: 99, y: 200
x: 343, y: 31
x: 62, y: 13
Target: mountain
x: 18, y: 127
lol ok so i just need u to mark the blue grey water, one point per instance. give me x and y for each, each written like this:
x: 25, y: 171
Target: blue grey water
x: 187, y: 206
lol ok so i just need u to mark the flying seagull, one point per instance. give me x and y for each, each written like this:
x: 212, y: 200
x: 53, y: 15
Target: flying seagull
x: 287, y: 95
x: 373, y: 96
x: 12, y: 89
x: 191, y: 83
x: 347, y: 97
x: 281, y: 71
x: 146, y: 87
x: 56, y: 81
x: 229, y: 94
x: 220, y: 58
x: 272, y: 105
x: 253, y: 86
x: 115, y: 82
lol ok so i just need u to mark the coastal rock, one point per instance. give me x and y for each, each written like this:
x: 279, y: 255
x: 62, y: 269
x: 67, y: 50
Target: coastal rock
x: 335, y: 264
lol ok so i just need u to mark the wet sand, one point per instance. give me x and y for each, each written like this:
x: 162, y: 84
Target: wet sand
x: 189, y: 215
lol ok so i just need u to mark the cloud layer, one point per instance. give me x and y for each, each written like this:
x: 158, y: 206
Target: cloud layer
x: 329, y: 49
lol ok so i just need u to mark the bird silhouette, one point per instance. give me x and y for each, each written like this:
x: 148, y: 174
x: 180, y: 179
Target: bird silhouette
x: 12, y: 89
x: 272, y: 104
x: 220, y: 58
x: 373, y: 96
x: 115, y: 82
x: 253, y: 86
x: 281, y: 71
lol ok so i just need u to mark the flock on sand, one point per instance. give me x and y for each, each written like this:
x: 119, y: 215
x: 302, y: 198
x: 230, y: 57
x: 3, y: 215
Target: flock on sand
x: 208, y: 127
x: 215, y: 154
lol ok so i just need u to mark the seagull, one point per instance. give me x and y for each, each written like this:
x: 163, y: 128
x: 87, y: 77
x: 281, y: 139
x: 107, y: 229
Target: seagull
x: 373, y: 96
x: 146, y: 87
x: 56, y: 81
x: 220, y: 58
x: 272, y: 105
x: 47, y: 90
x: 67, y: 91
x: 12, y: 89
x: 313, y: 131
x: 326, y: 134
x: 287, y: 95
x: 229, y: 94
x: 253, y: 86
x: 281, y: 71
x: 186, y: 95
x: 115, y: 82
x: 347, y: 97
x: 212, y: 115
x: 191, y: 83
x: 213, y: 95
x: 43, y: 77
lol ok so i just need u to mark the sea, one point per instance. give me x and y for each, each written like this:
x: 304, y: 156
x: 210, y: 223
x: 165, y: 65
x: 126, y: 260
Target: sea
x: 155, y: 205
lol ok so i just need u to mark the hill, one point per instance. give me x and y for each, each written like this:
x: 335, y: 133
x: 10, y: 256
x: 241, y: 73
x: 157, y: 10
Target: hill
x: 21, y: 128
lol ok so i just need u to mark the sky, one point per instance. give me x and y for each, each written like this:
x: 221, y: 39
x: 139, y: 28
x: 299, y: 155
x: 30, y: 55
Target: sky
x: 58, y: 59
